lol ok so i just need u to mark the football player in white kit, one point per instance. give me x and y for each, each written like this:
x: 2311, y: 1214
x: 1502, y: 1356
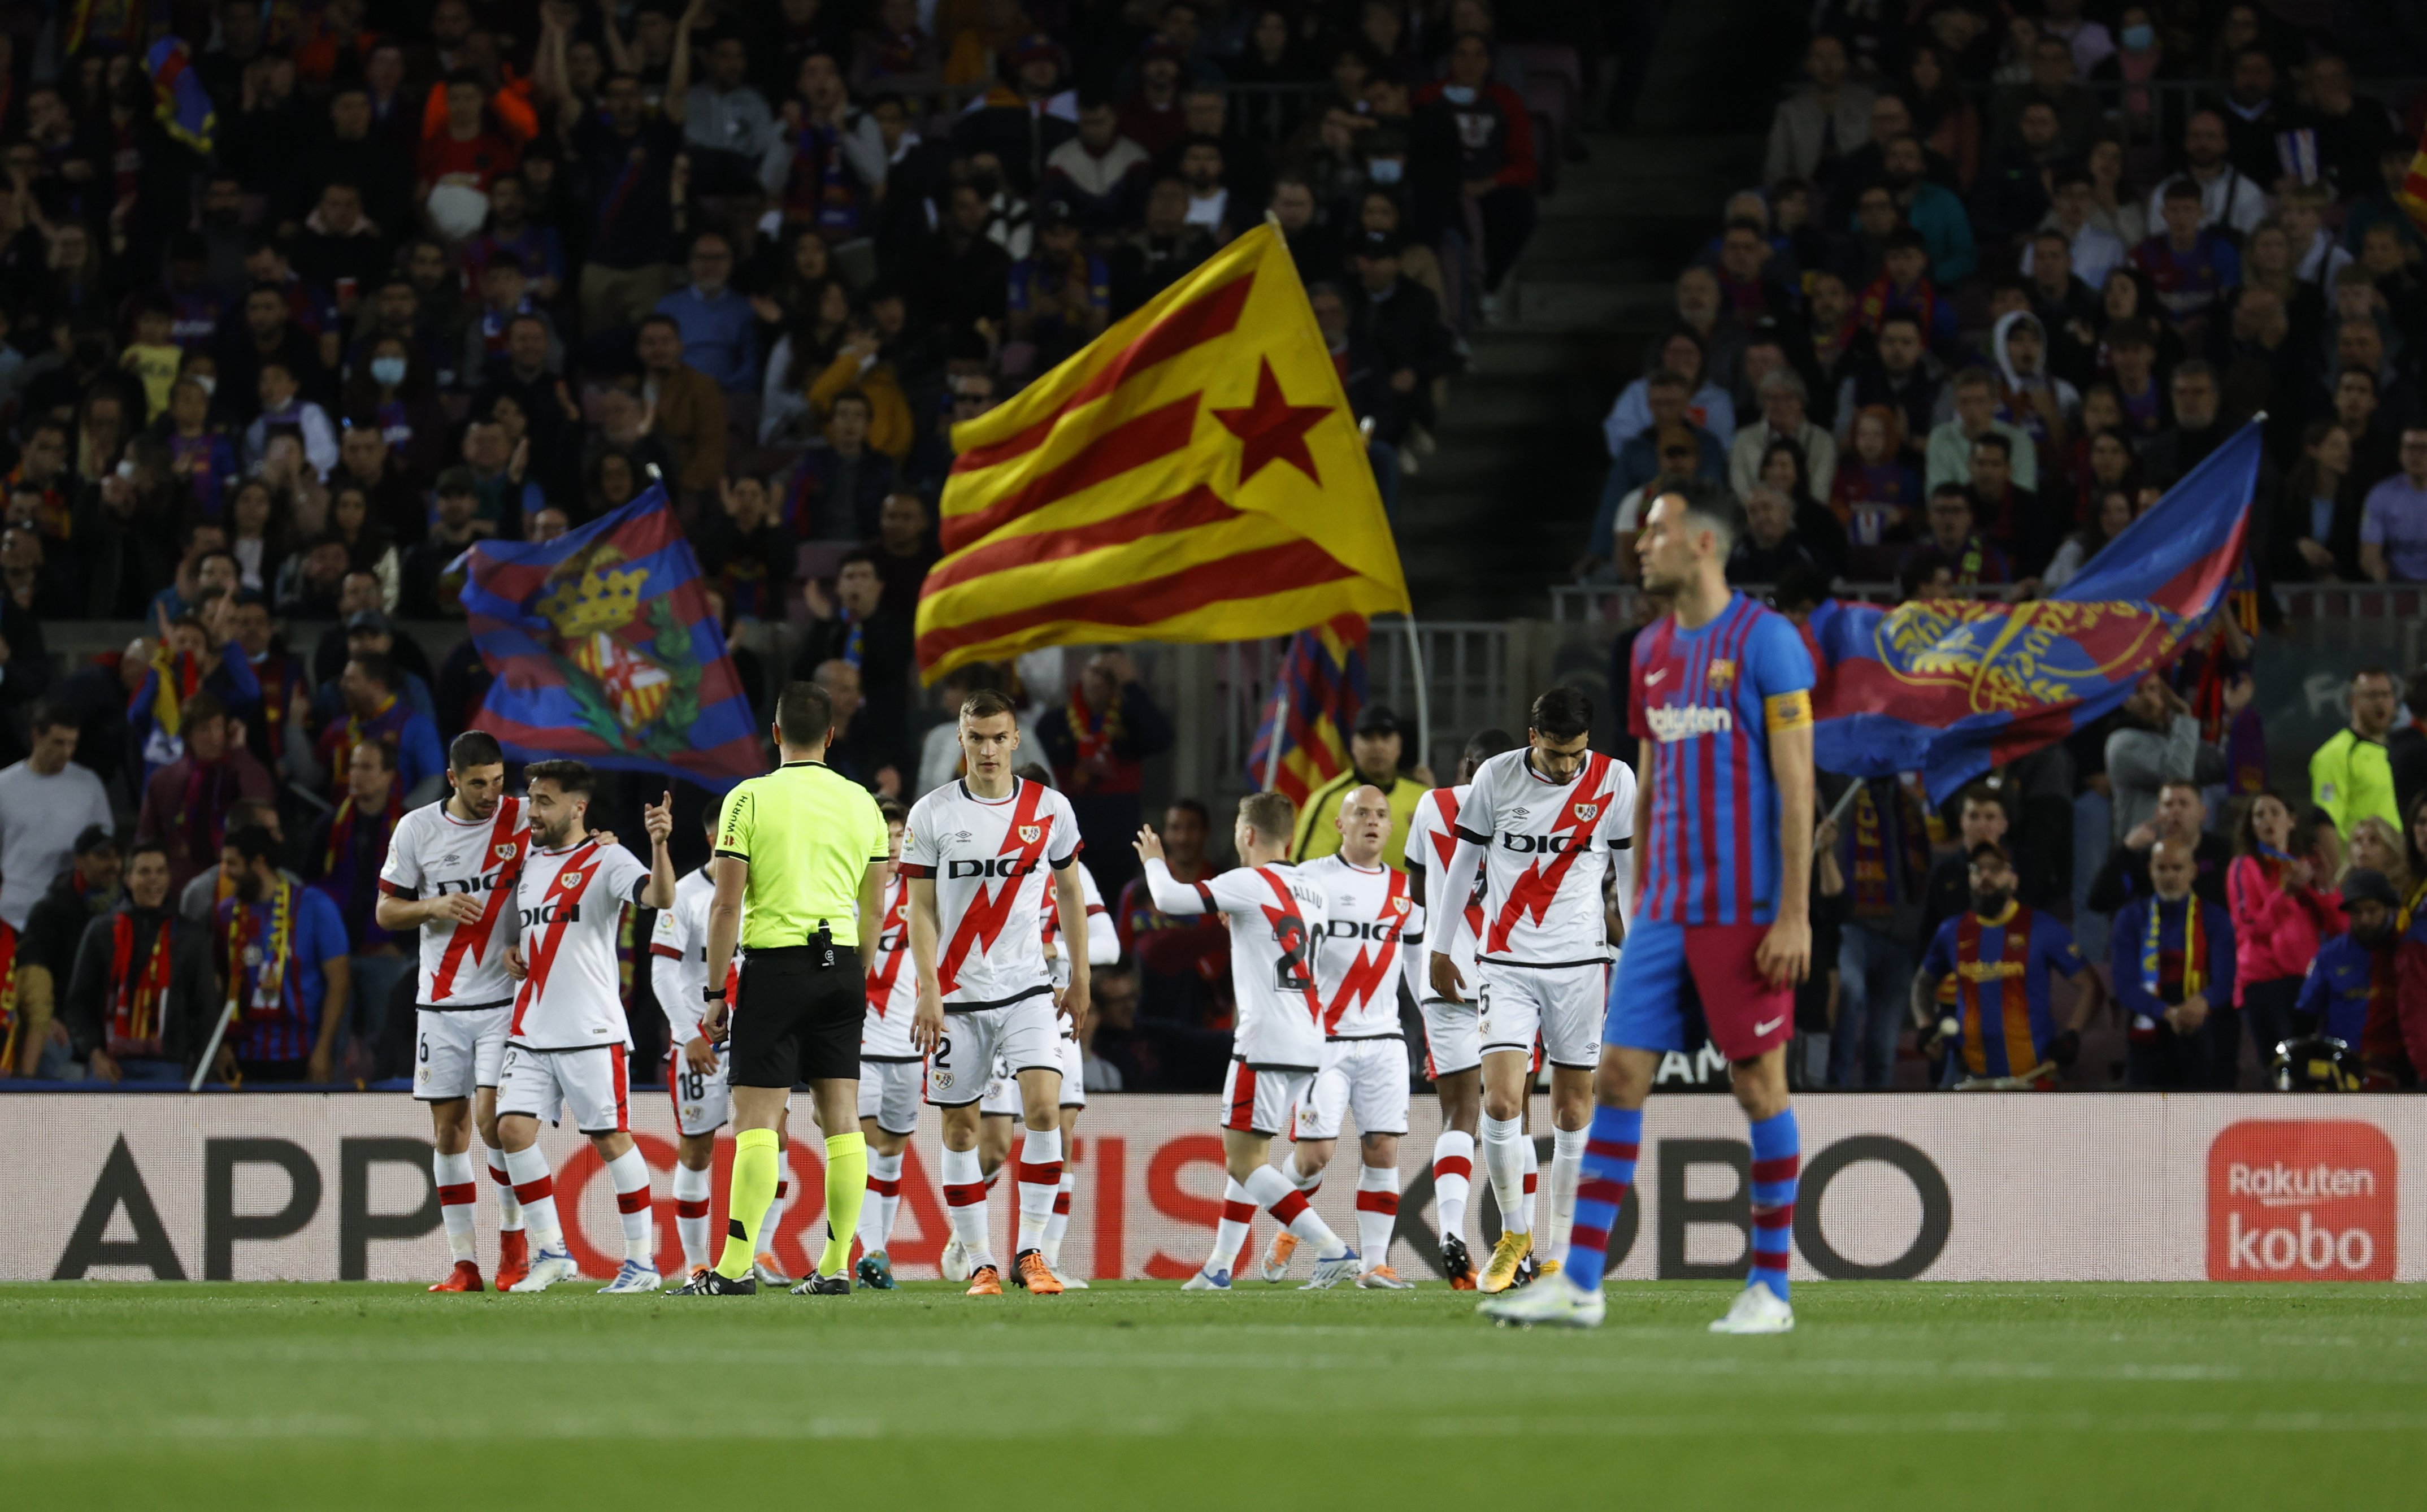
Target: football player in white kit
x: 1366, y: 950
x: 696, y: 1066
x: 889, y: 1065
x: 566, y: 1041
x: 450, y: 873
x: 976, y: 852
x: 1452, y: 1028
x: 999, y: 1110
x: 1548, y: 824
x: 1274, y: 913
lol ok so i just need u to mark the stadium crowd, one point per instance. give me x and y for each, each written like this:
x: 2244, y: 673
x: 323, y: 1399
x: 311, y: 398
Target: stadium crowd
x: 2010, y: 272
x: 434, y: 273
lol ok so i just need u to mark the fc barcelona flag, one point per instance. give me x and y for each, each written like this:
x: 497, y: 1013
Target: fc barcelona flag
x: 1320, y: 689
x: 605, y: 649
x: 1949, y: 688
x: 1195, y: 473
x: 184, y: 107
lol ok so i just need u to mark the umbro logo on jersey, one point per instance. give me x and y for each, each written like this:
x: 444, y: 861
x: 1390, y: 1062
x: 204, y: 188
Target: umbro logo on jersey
x: 451, y: 859
x: 963, y: 837
x: 1516, y: 813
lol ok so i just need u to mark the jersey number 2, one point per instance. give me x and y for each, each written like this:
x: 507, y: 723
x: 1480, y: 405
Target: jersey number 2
x: 1292, y: 971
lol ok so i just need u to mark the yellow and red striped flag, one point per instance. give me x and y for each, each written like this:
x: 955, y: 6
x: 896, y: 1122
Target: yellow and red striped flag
x: 2412, y: 196
x: 1195, y: 473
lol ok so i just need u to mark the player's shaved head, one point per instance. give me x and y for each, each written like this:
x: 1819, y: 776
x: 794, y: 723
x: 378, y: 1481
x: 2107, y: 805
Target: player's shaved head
x: 1364, y: 822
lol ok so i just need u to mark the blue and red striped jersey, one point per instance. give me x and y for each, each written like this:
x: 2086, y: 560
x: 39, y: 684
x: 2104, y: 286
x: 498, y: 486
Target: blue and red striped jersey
x: 2000, y: 967
x: 1704, y: 702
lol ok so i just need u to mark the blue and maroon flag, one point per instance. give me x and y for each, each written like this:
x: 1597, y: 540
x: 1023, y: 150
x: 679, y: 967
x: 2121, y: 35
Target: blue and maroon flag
x: 184, y: 105
x: 605, y: 649
x: 1949, y: 688
x: 1321, y: 687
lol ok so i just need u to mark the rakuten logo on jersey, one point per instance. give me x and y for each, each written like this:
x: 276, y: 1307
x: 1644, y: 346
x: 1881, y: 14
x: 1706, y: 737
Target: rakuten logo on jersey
x: 1685, y: 724
x: 2307, y: 1201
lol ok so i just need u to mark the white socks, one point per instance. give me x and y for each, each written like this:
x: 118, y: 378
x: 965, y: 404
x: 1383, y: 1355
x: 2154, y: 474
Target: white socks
x: 1378, y: 1213
x: 690, y: 1215
x: 457, y: 1193
x: 1533, y: 1175
x: 1567, y: 1164
x: 1507, y: 1154
x: 1060, y: 1224
x: 536, y: 1190
x: 964, y: 1201
x: 629, y: 1171
x: 884, y: 1201
x: 510, y: 1208
x: 1231, y: 1231
x: 1041, y: 1180
x: 1276, y: 1193
x: 1453, y: 1173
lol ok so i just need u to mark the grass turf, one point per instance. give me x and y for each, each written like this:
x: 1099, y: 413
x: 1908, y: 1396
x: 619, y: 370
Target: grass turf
x: 1887, y: 1394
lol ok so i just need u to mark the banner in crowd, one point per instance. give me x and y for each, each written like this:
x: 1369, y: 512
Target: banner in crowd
x: 1193, y: 474
x: 1949, y: 688
x: 605, y: 648
x: 1949, y: 1187
x: 1316, y: 695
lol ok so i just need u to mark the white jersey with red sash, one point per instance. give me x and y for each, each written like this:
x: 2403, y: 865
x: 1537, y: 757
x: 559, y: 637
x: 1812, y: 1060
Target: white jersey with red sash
x: 1547, y: 851
x: 1277, y: 912
x: 463, y: 967
x: 988, y: 859
x: 892, y: 985
x: 572, y: 903
x: 1357, y: 957
x: 1432, y: 840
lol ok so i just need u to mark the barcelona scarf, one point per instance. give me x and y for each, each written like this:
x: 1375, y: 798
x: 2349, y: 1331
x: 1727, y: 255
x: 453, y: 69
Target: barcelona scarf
x: 339, y: 863
x: 1875, y: 889
x: 338, y: 741
x: 1094, y: 732
x: 141, y: 994
x: 2193, y: 978
x: 260, y: 946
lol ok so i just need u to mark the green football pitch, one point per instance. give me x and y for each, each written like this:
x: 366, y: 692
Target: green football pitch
x: 1887, y: 1394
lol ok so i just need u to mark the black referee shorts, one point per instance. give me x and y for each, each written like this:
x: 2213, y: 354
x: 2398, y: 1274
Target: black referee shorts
x: 797, y: 1020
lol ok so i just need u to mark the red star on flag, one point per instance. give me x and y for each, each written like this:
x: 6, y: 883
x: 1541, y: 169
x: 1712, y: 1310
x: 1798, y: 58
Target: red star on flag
x: 1272, y: 429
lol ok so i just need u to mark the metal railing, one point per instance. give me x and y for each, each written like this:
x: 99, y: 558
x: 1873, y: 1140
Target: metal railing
x: 1614, y: 604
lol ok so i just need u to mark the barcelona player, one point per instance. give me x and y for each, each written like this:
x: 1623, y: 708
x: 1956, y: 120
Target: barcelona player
x: 2000, y: 1028
x: 1721, y: 710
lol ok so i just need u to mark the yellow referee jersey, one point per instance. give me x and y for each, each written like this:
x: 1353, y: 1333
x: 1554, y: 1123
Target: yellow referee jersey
x: 809, y: 834
x: 1317, y: 834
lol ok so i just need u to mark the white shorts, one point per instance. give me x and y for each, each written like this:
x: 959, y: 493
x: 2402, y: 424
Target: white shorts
x: 456, y: 1054
x: 1258, y: 1101
x: 1002, y: 1099
x: 888, y: 1092
x: 702, y: 1099
x: 1021, y: 1035
x: 1453, y: 1037
x: 1561, y: 1003
x: 1366, y: 1078
x: 588, y: 1083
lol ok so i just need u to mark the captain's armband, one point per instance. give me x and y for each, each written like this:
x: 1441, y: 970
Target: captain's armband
x: 1790, y: 710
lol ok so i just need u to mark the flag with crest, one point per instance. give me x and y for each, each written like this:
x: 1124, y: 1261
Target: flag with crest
x: 1315, y: 704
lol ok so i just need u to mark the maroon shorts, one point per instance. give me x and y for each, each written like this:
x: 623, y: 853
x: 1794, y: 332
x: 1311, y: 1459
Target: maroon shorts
x: 1744, y: 1014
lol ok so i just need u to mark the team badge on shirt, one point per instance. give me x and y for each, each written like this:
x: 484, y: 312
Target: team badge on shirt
x: 1723, y: 671
x: 1028, y: 832
x: 506, y: 851
x: 1584, y: 812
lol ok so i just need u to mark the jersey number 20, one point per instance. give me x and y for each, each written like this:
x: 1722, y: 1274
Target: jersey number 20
x: 1293, y: 972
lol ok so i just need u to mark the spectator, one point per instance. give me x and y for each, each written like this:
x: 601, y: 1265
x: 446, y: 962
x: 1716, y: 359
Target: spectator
x: 1983, y: 946
x: 1933, y: 211
x: 902, y: 549
x: 839, y: 491
x: 1771, y: 547
x: 2018, y: 183
x: 1955, y: 545
x: 1060, y: 295
x: 1475, y: 134
x: 2353, y: 978
x: 860, y: 626
x: 2406, y: 748
x: 1899, y: 375
x: 372, y: 692
x: 2229, y: 200
x: 718, y: 327
x: 745, y: 552
x: 2156, y: 740
x: 2190, y: 265
x: 342, y: 858
x: 1883, y: 855
x: 1950, y: 450
x: 628, y: 192
x: 1376, y: 747
x: 1877, y: 495
x: 1812, y: 129
x: 2181, y: 817
x: 859, y: 749
x: 2173, y: 962
x: 2393, y: 519
x: 1099, y: 741
x: 46, y: 801
x: 2279, y: 916
x: 283, y: 951
x: 688, y: 405
x: 2041, y: 405
x: 1783, y: 401
x: 1699, y: 311
x: 1612, y: 545
x: 1708, y: 406
x: 186, y: 804
x: 1400, y: 321
x: 143, y: 993
x: 46, y: 951
x: 281, y: 406
x: 2071, y: 254
x: 1100, y: 173
x: 728, y: 132
x: 1183, y: 962
x: 1981, y: 820
x: 1666, y: 397
x: 2010, y: 518
x: 2351, y: 776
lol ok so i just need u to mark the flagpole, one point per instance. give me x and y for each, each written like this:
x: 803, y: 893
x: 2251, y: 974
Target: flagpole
x: 1281, y: 727
x: 1423, y: 706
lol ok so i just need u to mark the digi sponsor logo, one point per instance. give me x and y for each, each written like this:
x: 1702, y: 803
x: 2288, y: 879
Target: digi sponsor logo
x: 2301, y: 1200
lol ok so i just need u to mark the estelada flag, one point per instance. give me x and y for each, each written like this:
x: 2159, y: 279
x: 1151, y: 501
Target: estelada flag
x: 1193, y: 474
x: 605, y: 648
x: 1949, y: 688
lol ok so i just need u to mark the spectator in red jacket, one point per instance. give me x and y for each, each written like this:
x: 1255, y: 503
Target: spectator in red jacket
x: 186, y: 804
x: 1482, y: 129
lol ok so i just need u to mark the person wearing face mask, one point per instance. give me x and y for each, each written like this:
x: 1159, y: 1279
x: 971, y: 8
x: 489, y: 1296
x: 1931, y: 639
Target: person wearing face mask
x: 1472, y: 141
x: 2172, y: 958
x: 2001, y: 1023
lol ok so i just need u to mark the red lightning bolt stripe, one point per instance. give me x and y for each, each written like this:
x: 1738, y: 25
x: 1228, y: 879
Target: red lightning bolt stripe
x: 981, y: 922
x: 1445, y: 845
x: 1370, y: 972
x: 1274, y: 917
x: 1533, y: 892
x: 880, y: 981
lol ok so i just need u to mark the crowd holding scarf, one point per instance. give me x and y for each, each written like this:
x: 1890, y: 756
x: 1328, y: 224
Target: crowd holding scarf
x: 349, y: 865
x: 822, y: 192
x: 2206, y: 670
x: 156, y: 711
x: 257, y: 960
x: 2194, y: 977
x: 140, y: 988
x: 1877, y: 841
x: 337, y: 743
x: 1095, y: 734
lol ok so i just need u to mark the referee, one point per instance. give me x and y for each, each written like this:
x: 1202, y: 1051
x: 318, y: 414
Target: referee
x: 800, y: 857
